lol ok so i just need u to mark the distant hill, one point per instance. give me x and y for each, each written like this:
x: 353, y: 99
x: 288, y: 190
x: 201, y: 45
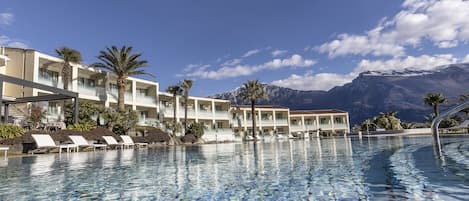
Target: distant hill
x: 373, y: 92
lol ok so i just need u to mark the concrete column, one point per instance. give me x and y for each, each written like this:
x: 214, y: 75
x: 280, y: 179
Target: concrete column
x: 176, y: 104
x: 347, y: 122
x: 244, y: 120
x: 259, y: 119
x: 134, y: 95
x: 274, y: 116
x: 107, y: 90
x: 6, y: 113
x: 332, y: 123
x: 213, y: 111
x: 317, y: 126
x: 35, y: 71
x: 74, y: 79
x: 303, y: 125
x: 196, y: 108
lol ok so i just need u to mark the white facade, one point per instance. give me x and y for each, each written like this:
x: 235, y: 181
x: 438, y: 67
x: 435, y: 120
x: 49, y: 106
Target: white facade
x: 222, y: 120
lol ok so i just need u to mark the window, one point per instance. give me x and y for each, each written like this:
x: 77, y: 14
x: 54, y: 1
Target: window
x: 142, y: 92
x: 81, y: 82
x: 90, y: 83
x: 219, y: 124
x: 143, y: 114
x: 218, y: 108
x: 113, y: 87
x: 49, y: 75
x: 52, y: 108
x: 324, y: 121
x: 338, y: 120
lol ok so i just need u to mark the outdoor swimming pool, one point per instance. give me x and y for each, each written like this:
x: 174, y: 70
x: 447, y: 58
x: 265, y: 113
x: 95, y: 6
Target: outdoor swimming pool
x: 335, y: 168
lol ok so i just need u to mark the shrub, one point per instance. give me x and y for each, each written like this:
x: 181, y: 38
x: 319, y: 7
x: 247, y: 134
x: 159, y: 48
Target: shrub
x: 197, y: 129
x: 120, y: 122
x: 87, y: 111
x: 82, y: 126
x: 10, y: 131
x: 36, y: 115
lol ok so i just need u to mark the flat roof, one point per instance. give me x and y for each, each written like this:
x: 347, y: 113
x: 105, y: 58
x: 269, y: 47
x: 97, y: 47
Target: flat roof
x: 325, y: 111
x: 261, y: 106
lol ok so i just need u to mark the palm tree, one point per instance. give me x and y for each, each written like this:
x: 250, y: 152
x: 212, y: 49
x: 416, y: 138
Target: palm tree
x: 175, y: 90
x: 434, y: 100
x: 186, y: 86
x: 123, y: 64
x: 68, y: 56
x: 252, y: 91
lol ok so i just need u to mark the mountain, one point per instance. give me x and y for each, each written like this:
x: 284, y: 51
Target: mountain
x: 373, y: 92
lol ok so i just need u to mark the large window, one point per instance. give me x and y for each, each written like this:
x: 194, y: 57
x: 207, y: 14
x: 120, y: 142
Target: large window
x: 142, y: 92
x: 48, y: 74
x: 85, y: 82
x: 52, y: 108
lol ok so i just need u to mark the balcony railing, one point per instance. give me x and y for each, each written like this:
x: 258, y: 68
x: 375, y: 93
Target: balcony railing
x: 167, y: 110
x: 190, y: 112
x: 267, y: 122
x: 220, y: 131
x: 310, y: 127
x: 148, y: 100
x: 91, y: 91
x: 128, y: 98
x: 222, y: 114
x: 205, y: 113
x: 325, y: 126
x: 281, y: 121
x: 147, y: 121
x: 51, y: 82
x: 340, y: 125
x: 296, y: 127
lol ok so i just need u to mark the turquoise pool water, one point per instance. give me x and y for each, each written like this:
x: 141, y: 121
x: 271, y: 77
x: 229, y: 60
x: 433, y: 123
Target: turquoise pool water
x: 336, y: 168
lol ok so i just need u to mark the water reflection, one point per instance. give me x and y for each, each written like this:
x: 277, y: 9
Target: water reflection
x: 329, y: 168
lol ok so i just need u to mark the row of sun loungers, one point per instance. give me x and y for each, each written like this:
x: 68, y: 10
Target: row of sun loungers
x: 45, y: 141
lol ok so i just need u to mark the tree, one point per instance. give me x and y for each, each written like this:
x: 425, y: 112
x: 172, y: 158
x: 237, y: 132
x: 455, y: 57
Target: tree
x: 252, y: 91
x: 186, y: 86
x: 175, y: 90
x: 434, y: 100
x: 36, y: 115
x: 123, y: 64
x: 87, y: 110
x: 68, y: 56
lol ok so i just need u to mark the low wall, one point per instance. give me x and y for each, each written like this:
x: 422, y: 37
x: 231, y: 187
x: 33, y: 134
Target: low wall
x: 218, y: 137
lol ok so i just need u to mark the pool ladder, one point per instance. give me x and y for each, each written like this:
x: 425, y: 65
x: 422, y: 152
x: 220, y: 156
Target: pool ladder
x: 436, y: 122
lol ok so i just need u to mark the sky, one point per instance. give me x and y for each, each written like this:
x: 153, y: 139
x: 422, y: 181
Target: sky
x: 305, y: 45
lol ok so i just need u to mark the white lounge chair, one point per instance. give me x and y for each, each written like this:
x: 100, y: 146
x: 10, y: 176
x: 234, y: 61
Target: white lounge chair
x: 5, y: 149
x: 129, y: 142
x: 45, y: 141
x: 80, y: 141
x: 111, y: 141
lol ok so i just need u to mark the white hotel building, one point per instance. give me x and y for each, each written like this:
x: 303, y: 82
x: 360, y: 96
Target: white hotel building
x: 221, y: 119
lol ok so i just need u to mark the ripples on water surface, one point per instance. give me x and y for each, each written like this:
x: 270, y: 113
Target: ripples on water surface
x: 336, y: 168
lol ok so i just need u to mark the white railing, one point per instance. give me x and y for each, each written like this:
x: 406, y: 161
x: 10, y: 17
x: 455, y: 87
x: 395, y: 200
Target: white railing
x: 92, y: 91
x: 281, y: 121
x: 222, y: 114
x: 190, y: 112
x: 340, y: 125
x: 267, y: 122
x: 220, y: 131
x: 296, y: 127
x: 310, y: 127
x: 50, y: 82
x: 148, y: 100
x: 205, y: 113
x: 325, y: 126
x: 147, y: 121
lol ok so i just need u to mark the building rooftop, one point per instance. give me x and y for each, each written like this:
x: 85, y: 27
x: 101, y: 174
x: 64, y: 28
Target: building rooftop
x: 261, y: 106
x: 327, y: 111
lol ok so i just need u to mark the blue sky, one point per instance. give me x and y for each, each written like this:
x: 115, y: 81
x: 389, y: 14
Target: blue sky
x: 307, y: 45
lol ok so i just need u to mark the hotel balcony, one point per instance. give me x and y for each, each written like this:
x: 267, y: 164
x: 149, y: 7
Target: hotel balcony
x: 205, y: 114
x: 147, y: 121
x: 325, y: 126
x: 222, y: 114
x: 281, y: 121
x: 49, y: 81
x: 340, y: 126
x: 3, y: 57
x: 92, y: 91
x: 267, y: 122
x: 310, y: 127
x: 296, y: 127
x: 146, y: 100
x: 190, y: 112
x: 128, y: 98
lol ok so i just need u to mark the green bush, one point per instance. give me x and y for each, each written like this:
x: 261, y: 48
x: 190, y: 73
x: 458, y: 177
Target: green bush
x: 197, y: 129
x: 87, y: 126
x: 10, y: 131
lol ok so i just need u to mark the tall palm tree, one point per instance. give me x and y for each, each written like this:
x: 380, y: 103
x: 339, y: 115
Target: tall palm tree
x: 68, y: 55
x: 123, y: 64
x: 175, y: 90
x: 252, y: 91
x: 186, y: 86
x: 434, y: 100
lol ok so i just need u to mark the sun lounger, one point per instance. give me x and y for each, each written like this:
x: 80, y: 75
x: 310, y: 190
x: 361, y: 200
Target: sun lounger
x: 128, y: 141
x: 111, y: 141
x: 45, y: 141
x: 5, y: 149
x: 80, y: 141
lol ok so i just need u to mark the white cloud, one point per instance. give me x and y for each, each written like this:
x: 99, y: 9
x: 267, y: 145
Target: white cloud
x: 244, y: 70
x: 250, y: 53
x: 278, y: 52
x: 444, y: 23
x: 6, y: 18
x: 232, y: 62
x: 310, y: 81
x: 326, y: 81
x: 9, y: 42
x: 423, y: 62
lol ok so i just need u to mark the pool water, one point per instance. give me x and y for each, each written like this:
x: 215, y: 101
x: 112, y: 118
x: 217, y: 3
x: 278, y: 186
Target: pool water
x: 326, y: 169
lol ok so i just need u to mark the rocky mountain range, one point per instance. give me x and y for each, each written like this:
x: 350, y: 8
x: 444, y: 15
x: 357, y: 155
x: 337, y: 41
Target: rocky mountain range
x: 373, y: 92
